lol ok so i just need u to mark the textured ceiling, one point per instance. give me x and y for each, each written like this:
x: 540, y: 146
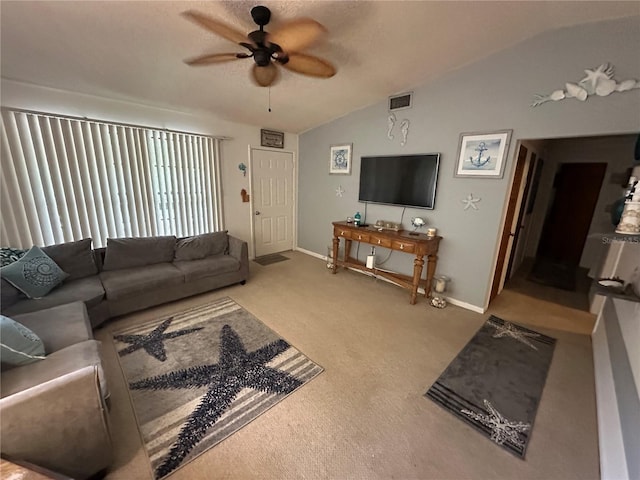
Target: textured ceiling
x: 134, y: 51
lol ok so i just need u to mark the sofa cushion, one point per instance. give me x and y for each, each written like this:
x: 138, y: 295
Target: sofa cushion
x: 58, y: 327
x: 88, y: 290
x: 133, y: 281
x: 8, y: 255
x: 75, y: 258
x: 59, y: 363
x: 18, y: 344
x: 35, y: 274
x: 220, y: 241
x: 208, y: 267
x: 9, y: 294
x: 123, y: 253
x: 200, y: 246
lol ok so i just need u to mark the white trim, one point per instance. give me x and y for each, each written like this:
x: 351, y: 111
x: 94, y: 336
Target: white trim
x: 310, y: 253
x: 613, y: 461
x: 466, y: 306
x: 452, y: 301
x: 503, y: 220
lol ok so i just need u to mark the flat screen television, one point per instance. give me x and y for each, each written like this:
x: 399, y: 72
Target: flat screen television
x: 405, y: 180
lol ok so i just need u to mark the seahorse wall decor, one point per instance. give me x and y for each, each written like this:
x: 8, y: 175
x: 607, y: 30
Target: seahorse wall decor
x: 391, y: 121
x: 404, y: 128
x: 598, y: 81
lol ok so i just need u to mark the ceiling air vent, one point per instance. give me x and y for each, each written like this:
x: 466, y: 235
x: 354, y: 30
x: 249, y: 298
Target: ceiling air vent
x: 400, y: 102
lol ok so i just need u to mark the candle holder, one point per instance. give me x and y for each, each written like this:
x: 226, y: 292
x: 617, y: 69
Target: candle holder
x: 438, y: 288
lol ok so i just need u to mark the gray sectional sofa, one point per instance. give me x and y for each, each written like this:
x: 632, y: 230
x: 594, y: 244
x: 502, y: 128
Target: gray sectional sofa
x: 53, y: 409
x: 132, y: 274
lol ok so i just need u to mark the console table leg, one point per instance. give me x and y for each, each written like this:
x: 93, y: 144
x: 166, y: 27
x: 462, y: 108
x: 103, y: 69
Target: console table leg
x: 432, y: 261
x: 336, y: 244
x: 417, y: 273
x: 347, y: 251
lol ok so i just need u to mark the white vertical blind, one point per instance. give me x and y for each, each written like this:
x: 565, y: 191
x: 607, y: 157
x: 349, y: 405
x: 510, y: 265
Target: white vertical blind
x: 65, y: 179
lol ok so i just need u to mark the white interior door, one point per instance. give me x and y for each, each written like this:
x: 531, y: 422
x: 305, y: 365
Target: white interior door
x: 272, y: 190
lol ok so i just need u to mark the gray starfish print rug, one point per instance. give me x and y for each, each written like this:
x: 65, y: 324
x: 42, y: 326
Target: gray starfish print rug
x: 495, y: 383
x: 201, y: 375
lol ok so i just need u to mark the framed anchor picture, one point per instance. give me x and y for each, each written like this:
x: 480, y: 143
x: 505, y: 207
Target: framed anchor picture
x: 483, y: 155
x: 340, y: 160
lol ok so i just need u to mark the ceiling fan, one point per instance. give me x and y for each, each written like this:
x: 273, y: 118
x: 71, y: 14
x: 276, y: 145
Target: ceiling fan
x: 283, y: 46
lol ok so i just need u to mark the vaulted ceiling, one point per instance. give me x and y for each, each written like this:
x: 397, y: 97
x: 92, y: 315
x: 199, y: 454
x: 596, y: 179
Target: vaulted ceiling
x: 134, y: 51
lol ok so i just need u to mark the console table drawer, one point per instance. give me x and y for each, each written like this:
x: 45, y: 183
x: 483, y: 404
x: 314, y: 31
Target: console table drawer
x: 403, y: 246
x: 381, y: 241
x: 360, y: 237
x: 339, y: 232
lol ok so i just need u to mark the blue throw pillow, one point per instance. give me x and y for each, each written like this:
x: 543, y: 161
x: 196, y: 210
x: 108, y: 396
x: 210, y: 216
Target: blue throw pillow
x: 35, y: 274
x: 18, y: 344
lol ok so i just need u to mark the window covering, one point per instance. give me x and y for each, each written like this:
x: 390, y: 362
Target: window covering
x: 65, y: 179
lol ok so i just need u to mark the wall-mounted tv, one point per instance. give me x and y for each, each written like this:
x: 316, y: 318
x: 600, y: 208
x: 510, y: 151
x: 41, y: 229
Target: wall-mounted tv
x: 406, y: 180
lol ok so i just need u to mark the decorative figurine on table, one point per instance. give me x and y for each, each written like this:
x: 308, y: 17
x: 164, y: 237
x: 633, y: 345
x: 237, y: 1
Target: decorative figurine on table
x: 417, y: 223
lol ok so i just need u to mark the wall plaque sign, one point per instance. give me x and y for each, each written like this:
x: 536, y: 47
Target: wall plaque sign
x: 271, y: 138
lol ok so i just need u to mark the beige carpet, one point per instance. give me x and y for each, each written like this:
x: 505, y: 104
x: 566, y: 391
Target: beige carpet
x: 365, y: 417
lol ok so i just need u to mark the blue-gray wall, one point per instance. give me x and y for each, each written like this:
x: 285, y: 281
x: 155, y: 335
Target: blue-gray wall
x: 493, y: 93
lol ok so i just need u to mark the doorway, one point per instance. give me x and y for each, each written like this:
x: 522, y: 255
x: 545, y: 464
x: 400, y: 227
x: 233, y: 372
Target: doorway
x: 556, y: 265
x: 272, y: 194
x: 562, y: 218
x: 577, y: 187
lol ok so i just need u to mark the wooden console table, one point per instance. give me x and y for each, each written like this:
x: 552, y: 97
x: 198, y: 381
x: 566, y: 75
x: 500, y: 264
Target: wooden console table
x: 420, y: 245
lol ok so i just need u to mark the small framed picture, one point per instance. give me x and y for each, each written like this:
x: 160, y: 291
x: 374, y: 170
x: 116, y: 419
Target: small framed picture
x: 340, y: 161
x: 483, y: 155
x: 271, y: 138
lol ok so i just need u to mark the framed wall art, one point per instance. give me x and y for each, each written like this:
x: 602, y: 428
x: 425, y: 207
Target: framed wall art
x: 340, y: 159
x: 483, y: 155
x: 271, y: 138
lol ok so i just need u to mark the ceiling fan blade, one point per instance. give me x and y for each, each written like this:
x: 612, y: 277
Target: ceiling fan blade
x: 297, y: 35
x: 215, y: 58
x: 309, y: 65
x: 265, y: 76
x: 215, y: 26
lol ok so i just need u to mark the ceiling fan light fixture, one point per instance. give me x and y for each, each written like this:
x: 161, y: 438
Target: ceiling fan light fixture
x: 262, y: 57
x: 261, y: 15
x: 283, y: 46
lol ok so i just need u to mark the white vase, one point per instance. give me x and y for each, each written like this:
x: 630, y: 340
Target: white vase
x: 630, y: 219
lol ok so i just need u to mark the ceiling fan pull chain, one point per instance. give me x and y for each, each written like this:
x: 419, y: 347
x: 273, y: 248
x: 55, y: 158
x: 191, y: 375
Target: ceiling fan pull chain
x: 269, y: 99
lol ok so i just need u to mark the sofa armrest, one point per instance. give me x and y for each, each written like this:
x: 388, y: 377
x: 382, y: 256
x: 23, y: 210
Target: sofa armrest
x: 61, y: 425
x: 238, y: 249
x: 60, y: 326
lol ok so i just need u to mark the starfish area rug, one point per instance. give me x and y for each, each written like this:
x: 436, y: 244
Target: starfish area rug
x: 201, y: 375
x: 495, y: 383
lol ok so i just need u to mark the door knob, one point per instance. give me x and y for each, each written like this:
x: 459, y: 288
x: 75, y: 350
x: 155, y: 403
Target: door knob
x: 257, y: 212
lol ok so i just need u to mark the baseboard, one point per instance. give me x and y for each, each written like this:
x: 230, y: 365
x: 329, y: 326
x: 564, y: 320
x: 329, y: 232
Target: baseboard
x: 452, y: 301
x: 309, y: 252
x: 466, y: 306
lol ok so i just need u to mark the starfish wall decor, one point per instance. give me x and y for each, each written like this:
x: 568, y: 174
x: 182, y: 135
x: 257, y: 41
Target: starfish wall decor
x: 470, y: 201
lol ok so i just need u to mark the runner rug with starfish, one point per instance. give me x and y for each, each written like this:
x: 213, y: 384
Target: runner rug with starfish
x: 199, y: 376
x: 494, y: 384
